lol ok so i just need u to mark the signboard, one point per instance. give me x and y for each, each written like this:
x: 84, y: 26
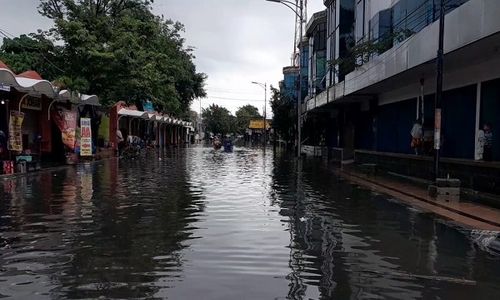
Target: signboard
x: 258, y: 124
x: 85, y: 137
x: 148, y: 106
x: 32, y: 103
x: 66, y: 121
x: 4, y: 88
x: 15, y: 131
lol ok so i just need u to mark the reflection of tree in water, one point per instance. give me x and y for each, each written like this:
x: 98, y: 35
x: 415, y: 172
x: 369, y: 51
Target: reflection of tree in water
x: 130, y: 245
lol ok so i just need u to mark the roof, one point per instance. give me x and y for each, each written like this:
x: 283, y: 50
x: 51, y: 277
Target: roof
x: 3, y: 65
x: 317, y: 18
x: 133, y: 113
x: 290, y: 69
x: 31, y: 75
x: 31, y: 83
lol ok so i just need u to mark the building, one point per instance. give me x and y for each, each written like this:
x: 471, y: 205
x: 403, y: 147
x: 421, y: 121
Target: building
x: 317, y: 64
x: 369, y: 106
x: 289, y: 84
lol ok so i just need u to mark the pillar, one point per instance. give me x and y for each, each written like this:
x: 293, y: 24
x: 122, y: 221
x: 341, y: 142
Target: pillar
x: 478, y: 117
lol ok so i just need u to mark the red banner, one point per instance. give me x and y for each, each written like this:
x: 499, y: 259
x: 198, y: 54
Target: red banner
x: 66, y: 121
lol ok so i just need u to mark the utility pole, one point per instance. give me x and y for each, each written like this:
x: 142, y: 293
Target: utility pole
x: 298, y: 9
x: 299, y: 94
x: 264, y: 86
x: 265, y: 116
x: 439, y: 92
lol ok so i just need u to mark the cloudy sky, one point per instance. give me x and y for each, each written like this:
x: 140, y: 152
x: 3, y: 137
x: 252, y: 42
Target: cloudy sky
x: 236, y: 41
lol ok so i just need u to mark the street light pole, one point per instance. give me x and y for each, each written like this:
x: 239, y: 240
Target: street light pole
x: 299, y: 98
x: 299, y: 12
x: 264, y: 117
x: 439, y: 92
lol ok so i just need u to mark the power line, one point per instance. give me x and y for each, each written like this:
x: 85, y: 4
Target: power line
x: 236, y: 92
x: 231, y: 90
x: 12, y: 38
x: 233, y: 99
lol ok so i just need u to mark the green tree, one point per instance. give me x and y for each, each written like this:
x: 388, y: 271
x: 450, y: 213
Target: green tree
x: 31, y: 52
x: 119, y: 50
x: 284, y: 115
x: 243, y: 116
x: 218, y: 120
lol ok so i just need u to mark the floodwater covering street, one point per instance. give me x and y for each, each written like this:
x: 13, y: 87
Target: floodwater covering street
x: 199, y: 224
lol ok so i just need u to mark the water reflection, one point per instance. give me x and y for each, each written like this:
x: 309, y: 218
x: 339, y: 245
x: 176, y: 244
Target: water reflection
x: 353, y: 243
x: 245, y: 225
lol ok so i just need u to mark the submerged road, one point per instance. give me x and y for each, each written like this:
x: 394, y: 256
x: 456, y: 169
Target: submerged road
x: 199, y: 224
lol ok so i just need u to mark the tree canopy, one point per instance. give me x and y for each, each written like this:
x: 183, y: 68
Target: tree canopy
x: 116, y: 49
x: 284, y: 115
x: 243, y: 116
x: 218, y: 120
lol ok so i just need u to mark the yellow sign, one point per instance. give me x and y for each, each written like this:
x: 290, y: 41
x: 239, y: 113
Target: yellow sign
x: 15, y: 131
x: 258, y: 124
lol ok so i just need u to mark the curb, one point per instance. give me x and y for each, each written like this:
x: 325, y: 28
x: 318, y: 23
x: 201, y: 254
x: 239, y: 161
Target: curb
x: 459, y: 212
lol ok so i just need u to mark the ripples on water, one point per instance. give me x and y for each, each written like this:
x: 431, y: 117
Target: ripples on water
x: 200, y: 224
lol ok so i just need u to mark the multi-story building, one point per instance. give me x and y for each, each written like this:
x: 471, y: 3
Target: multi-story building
x: 288, y: 86
x: 316, y: 34
x: 376, y: 99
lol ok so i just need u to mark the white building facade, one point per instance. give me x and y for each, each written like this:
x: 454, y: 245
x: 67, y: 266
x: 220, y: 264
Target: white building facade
x: 375, y: 104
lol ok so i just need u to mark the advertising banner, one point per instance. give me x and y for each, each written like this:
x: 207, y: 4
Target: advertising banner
x: 15, y: 131
x: 66, y: 122
x: 85, y: 137
x: 32, y: 103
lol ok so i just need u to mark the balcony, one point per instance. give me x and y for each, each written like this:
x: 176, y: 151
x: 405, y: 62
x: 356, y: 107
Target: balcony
x: 472, y: 39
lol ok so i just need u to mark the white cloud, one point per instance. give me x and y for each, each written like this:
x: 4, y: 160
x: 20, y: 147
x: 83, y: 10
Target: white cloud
x: 236, y: 41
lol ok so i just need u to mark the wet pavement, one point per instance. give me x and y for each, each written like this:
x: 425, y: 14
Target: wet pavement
x: 199, y: 224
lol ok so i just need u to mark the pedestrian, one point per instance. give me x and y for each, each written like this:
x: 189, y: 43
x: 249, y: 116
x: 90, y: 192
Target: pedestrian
x: 480, y: 145
x: 3, y: 144
x: 416, y: 136
x: 488, y: 142
x: 120, y: 140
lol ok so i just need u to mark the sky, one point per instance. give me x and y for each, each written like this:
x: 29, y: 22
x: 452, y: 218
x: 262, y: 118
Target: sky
x: 236, y: 42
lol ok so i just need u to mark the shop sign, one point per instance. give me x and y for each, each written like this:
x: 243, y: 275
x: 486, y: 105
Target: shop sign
x: 4, y: 88
x: 32, y: 103
x: 85, y: 137
x: 15, y: 131
x: 148, y: 106
x: 66, y: 122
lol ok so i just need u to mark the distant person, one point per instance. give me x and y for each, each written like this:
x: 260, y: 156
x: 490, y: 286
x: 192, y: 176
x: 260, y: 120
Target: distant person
x: 120, y: 140
x: 3, y: 144
x: 488, y: 142
x: 416, y: 136
x: 480, y: 145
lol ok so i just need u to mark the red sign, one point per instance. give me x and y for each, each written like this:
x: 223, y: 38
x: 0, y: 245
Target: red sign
x: 66, y: 122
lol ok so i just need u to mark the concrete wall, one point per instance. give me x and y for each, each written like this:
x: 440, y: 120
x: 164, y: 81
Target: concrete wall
x: 480, y: 176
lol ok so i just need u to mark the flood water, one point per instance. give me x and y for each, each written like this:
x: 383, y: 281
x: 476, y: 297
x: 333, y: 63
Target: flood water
x: 199, y: 224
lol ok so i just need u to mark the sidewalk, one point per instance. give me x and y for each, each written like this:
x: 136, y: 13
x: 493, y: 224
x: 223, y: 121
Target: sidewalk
x: 468, y: 214
x: 101, y: 156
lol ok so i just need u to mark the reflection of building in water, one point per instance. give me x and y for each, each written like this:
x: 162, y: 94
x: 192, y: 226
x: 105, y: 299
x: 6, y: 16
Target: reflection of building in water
x: 86, y: 183
x: 351, y: 243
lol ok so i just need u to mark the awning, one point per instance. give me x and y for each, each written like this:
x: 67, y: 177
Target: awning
x: 133, y: 113
x: 89, y: 100
x: 31, y: 83
x: 34, y: 87
x: 83, y: 99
